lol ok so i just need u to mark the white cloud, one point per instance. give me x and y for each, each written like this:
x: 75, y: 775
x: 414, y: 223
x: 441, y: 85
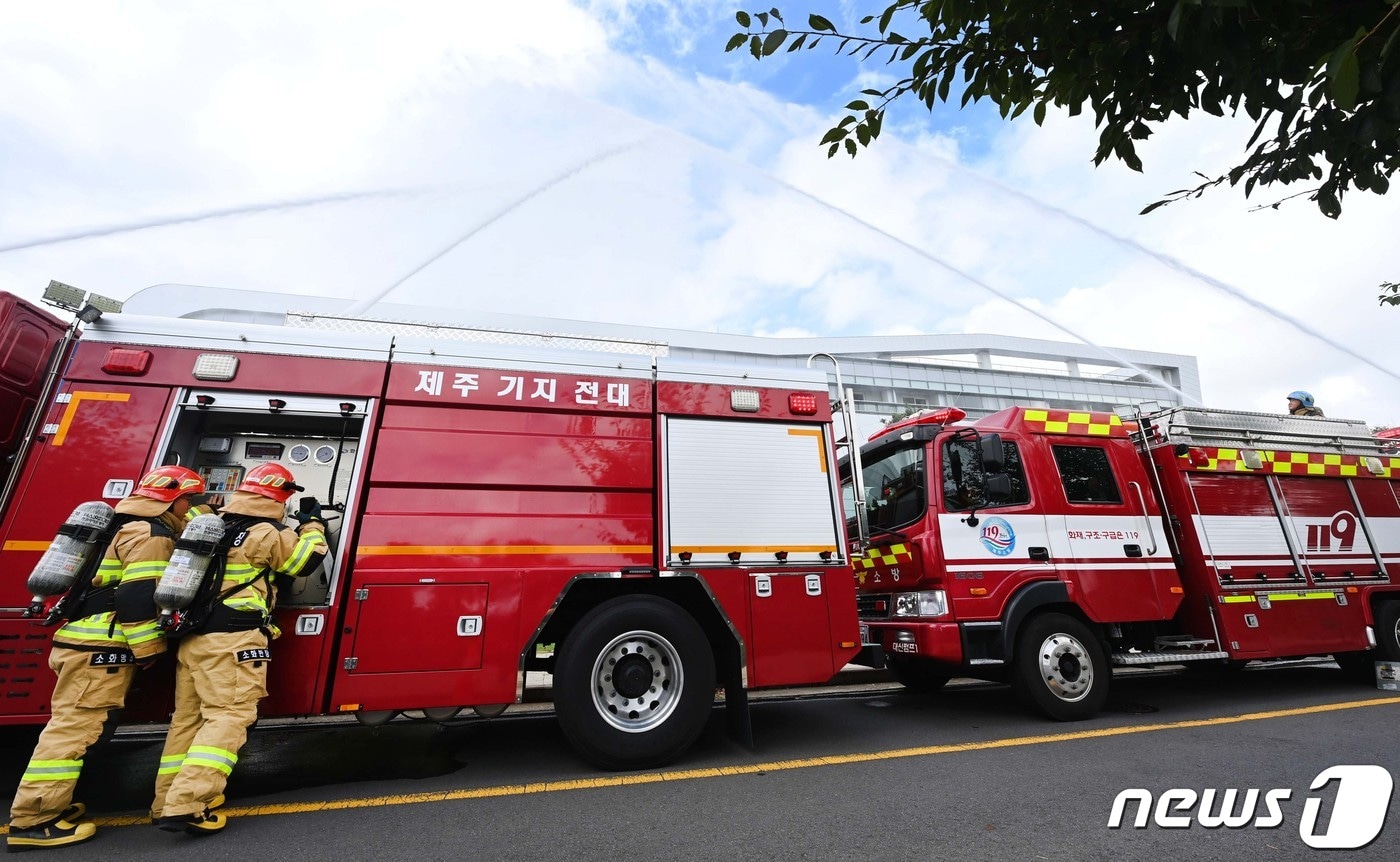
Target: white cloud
x: 134, y: 111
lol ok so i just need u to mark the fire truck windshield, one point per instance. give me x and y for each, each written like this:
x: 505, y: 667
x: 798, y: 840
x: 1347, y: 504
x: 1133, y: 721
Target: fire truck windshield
x: 896, y: 489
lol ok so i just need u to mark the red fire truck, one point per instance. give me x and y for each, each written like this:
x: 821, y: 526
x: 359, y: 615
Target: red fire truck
x: 1046, y: 547
x: 667, y: 528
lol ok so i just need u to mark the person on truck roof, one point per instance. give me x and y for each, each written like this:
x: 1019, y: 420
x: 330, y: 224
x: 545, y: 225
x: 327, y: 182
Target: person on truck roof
x: 1300, y: 403
x: 110, y: 633
x: 221, y: 666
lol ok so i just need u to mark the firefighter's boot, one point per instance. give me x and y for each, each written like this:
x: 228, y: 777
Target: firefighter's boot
x: 55, y: 833
x: 207, y: 823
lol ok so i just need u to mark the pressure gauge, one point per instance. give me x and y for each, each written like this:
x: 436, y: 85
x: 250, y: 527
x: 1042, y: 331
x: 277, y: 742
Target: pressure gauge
x: 299, y: 454
x: 325, y: 454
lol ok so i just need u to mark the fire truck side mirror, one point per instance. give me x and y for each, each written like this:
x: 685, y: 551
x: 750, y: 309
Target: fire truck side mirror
x: 993, y: 457
x: 998, y: 488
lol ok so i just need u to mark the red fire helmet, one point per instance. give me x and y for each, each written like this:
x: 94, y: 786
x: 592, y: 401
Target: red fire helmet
x: 168, y: 484
x: 271, y: 480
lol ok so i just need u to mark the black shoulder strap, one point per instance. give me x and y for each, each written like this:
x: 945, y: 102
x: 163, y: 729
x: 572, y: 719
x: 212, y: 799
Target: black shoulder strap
x: 83, y: 599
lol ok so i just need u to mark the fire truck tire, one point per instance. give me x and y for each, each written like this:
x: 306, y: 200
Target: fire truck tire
x: 634, y: 684
x: 918, y: 675
x: 1059, y: 668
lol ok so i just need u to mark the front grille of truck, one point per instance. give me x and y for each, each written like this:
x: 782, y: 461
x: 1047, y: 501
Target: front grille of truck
x: 873, y: 606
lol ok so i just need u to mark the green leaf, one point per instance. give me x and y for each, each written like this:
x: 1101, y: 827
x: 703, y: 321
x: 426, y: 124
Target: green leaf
x: 773, y: 41
x: 743, y: 19
x: 858, y: 105
x: 835, y: 135
x: 863, y: 135
x: 1150, y: 207
x: 1174, y: 25
x: 777, y: 17
x: 1344, y: 73
x: 756, y: 47
x: 1039, y: 114
x: 886, y: 16
x: 1347, y: 81
x: 831, y: 150
x: 851, y: 147
x: 762, y: 18
x: 1327, y: 202
x: 735, y: 41
x: 797, y: 43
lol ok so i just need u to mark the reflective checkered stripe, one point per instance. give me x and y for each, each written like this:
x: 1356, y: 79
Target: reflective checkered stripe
x: 889, y: 556
x: 1074, y: 422
x: 1221, y: 460
x: 209, y: 757
x: 53, y: 770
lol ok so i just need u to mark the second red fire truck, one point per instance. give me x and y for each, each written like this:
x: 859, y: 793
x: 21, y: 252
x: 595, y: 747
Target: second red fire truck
x: 1045, y: 547
x: 647, y: 530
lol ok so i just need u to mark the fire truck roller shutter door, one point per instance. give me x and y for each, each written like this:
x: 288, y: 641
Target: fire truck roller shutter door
x: 635, y: 683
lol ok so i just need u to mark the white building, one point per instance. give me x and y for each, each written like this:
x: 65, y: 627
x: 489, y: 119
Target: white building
x: 887, y: 374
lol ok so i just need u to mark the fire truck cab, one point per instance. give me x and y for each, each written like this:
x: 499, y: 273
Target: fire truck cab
x: 1045, y: 547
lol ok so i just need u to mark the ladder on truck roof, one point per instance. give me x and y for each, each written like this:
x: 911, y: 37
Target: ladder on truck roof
x: 1197, y: 426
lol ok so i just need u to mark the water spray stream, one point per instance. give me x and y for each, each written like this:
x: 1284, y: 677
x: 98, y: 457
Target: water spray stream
x: 365, y: 304
x: 943, y: 264
x: 1177, y: 265
x: 1166, y: 260
x: 167, y: 221
x: 1186, y: 398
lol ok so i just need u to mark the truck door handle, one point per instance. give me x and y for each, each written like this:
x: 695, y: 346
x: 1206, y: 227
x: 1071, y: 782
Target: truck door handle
x: 1133, y: 550
x: 1039, y: 553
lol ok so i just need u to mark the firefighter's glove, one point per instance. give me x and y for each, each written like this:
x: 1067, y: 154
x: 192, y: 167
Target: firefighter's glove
x: 311, y: 516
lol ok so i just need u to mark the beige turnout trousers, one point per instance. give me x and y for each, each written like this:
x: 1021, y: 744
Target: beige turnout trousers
x: 90, y: 685
x: 219, y: 679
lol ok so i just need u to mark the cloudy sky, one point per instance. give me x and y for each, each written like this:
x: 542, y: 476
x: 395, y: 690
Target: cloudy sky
x: 606, y: 160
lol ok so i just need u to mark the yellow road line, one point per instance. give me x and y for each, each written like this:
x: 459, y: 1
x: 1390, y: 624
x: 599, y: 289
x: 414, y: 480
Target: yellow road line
x: 750, y: 769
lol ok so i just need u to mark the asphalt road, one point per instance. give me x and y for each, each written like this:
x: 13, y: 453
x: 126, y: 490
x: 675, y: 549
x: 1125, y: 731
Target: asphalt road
x: 871, y: 774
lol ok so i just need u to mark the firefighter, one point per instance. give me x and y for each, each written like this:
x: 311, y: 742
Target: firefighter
x: 221, y: 667
x: 1300, y: 403
x: 95, y: 654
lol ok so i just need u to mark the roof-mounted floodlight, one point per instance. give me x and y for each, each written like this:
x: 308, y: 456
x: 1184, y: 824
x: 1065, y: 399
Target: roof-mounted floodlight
x: 64, y: 296
x: 104, y: 304
x: 88, y: 306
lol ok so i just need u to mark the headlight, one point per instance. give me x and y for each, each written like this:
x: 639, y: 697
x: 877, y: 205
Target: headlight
x: 928, y: 603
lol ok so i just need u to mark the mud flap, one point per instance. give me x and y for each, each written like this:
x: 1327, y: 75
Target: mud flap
x: 736, y: 710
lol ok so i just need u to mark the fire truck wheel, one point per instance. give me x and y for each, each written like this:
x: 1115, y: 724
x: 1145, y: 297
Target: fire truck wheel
x: 1060, y: 668
x: 635, y: 683
x: 1388, y: 631
x: 918, y: 675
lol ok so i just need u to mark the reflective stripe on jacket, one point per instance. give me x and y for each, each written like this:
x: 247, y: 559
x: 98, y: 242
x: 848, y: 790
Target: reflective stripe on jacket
x: 264, y: 547
x: 132, y: 566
